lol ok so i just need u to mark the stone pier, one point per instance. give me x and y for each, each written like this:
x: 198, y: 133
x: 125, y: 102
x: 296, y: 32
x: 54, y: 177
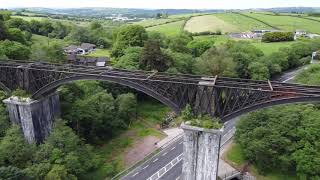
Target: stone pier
x: 201, y: 148
x: 35, y: 117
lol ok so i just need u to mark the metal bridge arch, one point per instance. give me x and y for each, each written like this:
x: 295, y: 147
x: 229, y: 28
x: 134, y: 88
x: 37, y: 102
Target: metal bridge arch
x: 264, y: 105
x: 220, y: 97
x: 56, y: 84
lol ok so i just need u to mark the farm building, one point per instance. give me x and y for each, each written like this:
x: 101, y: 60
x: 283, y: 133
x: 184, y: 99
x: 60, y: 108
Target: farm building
x: 85, y: 48
x: 88, y: 61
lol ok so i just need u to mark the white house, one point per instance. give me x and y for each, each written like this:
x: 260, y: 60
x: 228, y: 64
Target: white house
x: 85, y: 48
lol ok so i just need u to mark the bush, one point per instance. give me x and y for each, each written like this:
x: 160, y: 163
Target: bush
x: 278, y: 37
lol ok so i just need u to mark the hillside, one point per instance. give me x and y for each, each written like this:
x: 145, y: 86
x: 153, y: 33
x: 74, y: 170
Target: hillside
x: 209, y: 23
x: 286, y: 22
x: 169, y: 29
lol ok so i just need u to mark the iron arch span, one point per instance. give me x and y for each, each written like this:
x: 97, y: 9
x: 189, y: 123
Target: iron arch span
x: 271, y: 104
x: 56, y: 84
x: 220, y: 97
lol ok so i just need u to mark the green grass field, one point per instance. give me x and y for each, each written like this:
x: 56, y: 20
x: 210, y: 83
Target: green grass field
x: 43, y: 40
x: 184, y: 15
x: 288, y: 23
x: 29, y: 18
x: 268, y: 48
x: 170, y: 29
x: 153, y: 22
x: 209, y: 23
x: 241, y: 22
x: 100, y: 53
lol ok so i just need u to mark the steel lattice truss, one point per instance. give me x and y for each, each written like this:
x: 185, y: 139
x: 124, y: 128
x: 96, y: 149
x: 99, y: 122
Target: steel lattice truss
x: 218, y: 96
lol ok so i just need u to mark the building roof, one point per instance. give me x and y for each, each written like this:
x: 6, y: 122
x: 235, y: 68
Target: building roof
x: 71, y: 48
x: 87, y: 46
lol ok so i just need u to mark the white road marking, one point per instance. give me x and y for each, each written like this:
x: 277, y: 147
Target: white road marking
x: 135, y: 174
x: 173, y: 148
x: 166, y: 168
x: 164, y: 153
x: 145, y: 166
x: 155, y: 160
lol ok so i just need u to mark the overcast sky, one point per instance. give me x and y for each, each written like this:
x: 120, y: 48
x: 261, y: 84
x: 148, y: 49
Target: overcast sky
x: 161, y: 4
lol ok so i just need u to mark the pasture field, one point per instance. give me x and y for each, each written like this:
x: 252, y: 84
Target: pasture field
x: 43, y: 40
x: 178, y: 16
x: 154, y: 22
x: 268, y: 48
x: 288, y: 23
x: 209, y: 23
x: 169, y: 29
x: 241, y: 22
x: 29, y: 18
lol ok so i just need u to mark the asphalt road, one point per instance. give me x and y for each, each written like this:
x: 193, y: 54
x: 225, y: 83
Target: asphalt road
x: 169, y: 157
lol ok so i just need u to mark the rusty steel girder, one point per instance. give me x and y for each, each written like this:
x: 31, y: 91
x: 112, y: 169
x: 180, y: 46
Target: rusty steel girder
x: 220, y: 97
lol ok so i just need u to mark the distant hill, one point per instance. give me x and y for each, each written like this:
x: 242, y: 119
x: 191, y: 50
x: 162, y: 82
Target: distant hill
x: 103, y: 12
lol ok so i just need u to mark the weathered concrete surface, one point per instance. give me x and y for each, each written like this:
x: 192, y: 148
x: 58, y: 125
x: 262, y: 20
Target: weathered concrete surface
x: 200, y: 153
x: 35, y: 117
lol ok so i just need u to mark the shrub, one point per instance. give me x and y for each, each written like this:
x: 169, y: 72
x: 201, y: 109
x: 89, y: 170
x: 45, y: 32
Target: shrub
x: 278, y: 37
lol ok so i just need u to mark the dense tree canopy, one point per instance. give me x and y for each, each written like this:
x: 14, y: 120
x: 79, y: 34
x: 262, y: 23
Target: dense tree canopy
x: 130, y: 60
x: 94, y: 113
x: 15, y: 50
x: 285, y: 138
x: 152, y: 58
x: 126, y: 36
x: 216, y: 61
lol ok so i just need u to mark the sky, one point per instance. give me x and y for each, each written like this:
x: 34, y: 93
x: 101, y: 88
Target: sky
x: 161, y: 4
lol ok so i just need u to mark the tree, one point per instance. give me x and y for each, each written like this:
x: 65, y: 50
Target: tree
x: 243, y: 53
x: 127, y: 107
x: 182, y: 62
x: 152, y: 57
x: 59, y: 31
x: 14, y: 150
x: 132, y: 35
x: 3, y: 30
x: 4, y: 119
x: 18, y: 23
x: 130, y: 59
x: 157, y: 36
x: 258, y: 71
x: 59, y: 172
x: 95, y: 25
x: 284, y: 138
x: 79, y: 34
x: 35, y: 26
x: 278, y: 36
x: 55, y: 53
x: 15, y: 34
x: 179, y: 43
x: 11, y: 173
x: 216, y: 61
x: 198, y: 47
x: 15, y: 50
